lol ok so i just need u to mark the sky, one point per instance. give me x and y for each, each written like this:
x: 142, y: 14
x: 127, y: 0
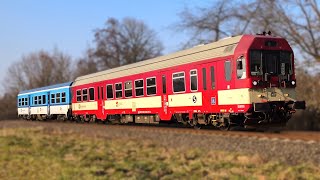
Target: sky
x: 32, y: 25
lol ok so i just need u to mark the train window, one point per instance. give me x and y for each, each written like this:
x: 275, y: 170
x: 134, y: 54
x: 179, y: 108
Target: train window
x: 98, y: 89
x: 138, y: 84
x: 213, y: 81
x: 151, y: 86
x: 35, y: 100
x: 84, y: 94
x: 91, y: 94
x: 19, y: 104
x: 63, y: 97
x: 26, y: 101
x: 285, y: 63
x: 58, y: 97
x: 164, y: 84
x: 128, y: 89
x: 178, y: 81
x: 241, y: 68
x: 39, y: 100
x: 204, y: 78
x: 102, y: 92
x: 227, y: 70
x: 53, y: 98
x: 22, y: 102
x: 109, y: 91
x: 255, y: 63
x: 193, y: 80
x: 44, y: 99
x: 270, y: 43
x: 119, y: 90
x: 78, y: 95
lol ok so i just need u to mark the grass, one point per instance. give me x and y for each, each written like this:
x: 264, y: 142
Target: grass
x: 39, y: 154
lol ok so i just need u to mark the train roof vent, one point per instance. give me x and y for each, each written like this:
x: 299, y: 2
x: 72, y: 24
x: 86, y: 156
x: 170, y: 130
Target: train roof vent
x: 229, y: 48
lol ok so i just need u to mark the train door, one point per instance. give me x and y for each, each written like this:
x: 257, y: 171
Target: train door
x: 225, y: 74
x: 100, y: 94
x: 29, y: 106
x: 165, y: 115
x: 48, y: 103
x: 213, y: 83
x: 208, y: 85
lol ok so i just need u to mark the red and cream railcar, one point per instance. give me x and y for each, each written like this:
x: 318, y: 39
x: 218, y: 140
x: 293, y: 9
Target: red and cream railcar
x: 246, y: 80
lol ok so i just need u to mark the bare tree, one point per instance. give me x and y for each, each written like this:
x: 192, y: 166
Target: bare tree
x: 296, y: 20
x: 86, y: 64
x: 211, y: 23
x: 125, y: 42
x: 38, y: 69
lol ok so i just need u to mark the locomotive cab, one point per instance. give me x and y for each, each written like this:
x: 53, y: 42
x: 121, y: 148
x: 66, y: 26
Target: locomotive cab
x: 272, y: 88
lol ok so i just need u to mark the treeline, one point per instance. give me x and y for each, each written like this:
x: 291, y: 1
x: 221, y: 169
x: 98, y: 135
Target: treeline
x: 118, y: 43
x: 126, y: 41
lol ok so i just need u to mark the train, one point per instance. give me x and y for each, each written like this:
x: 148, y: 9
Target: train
x: 243, y: 81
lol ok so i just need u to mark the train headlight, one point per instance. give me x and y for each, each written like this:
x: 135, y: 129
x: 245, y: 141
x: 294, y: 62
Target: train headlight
x: 254, y: 83
x: 293, y: 82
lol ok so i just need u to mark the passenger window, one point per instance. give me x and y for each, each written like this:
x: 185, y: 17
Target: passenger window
x: 128, y: 89
x: 35, y: 100
x: 19, y: 104
x: 102, y: 92
x: 58, y: 98
x: 78, y: 95
x: 193, y: 80
x: 178, y: 82
x: 84, y: 94
x: 53, y: 98
x: 63, y: 97
x: 213, y: 82
x: 119, y: 90
x: 227, y: 70
x: 241, y: 68
x: 109, y: 91
x: 98, y: 89
x: 138, y: 84
x: 204, y: 78
x: 164, y: 84
x: 151, y: 86
x: 44, y: 99
x: 39, y: 100
x: 26, y: 101
x: 91, y: 94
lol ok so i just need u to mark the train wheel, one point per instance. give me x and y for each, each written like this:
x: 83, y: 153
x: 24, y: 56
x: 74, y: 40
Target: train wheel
x: 225, y: 125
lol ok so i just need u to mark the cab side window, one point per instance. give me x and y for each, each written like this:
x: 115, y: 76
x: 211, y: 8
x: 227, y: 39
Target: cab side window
x: 227, y: 70
x: 241, y: 68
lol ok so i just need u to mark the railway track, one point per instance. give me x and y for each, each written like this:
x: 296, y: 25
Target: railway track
x: 292, y: 136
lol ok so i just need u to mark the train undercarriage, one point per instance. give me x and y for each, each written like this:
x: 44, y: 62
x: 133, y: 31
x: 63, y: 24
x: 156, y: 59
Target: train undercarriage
x: 260, y: 115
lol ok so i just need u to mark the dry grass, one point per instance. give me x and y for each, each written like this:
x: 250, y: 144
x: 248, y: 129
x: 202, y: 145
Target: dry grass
x: 39, y: 154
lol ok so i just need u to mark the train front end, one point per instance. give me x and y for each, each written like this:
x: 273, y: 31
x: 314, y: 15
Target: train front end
x: 272, y: 88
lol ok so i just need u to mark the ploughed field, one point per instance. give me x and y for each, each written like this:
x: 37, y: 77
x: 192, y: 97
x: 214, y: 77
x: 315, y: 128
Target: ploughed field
x: 57, y: 150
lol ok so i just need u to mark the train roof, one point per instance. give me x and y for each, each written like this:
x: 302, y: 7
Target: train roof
x: 66, y: 84
x: 221, y: 48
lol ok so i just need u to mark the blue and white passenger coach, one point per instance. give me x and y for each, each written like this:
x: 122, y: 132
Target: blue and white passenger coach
x: 45, y: 102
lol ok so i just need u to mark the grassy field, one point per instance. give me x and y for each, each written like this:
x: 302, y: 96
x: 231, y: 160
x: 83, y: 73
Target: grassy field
x: 40, y: 154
